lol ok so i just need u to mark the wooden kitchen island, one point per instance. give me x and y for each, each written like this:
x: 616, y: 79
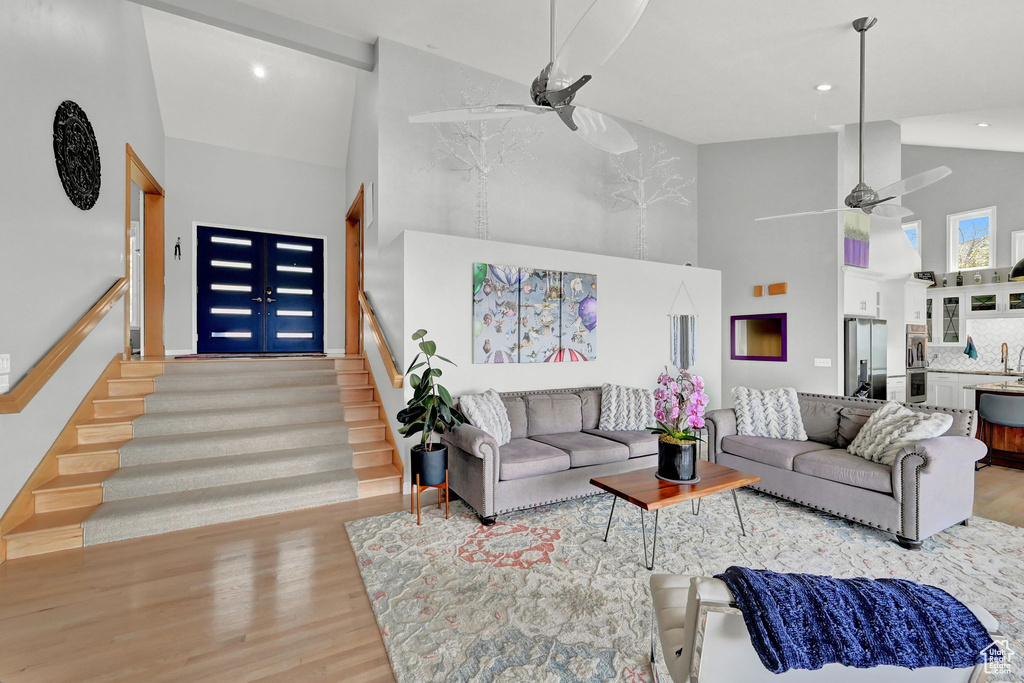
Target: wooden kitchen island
x: 1007, y: 443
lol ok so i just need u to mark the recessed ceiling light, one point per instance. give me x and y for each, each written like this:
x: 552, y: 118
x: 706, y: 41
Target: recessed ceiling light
x: 983, y: 125
x: 259, y: 71
x: 823, y: 87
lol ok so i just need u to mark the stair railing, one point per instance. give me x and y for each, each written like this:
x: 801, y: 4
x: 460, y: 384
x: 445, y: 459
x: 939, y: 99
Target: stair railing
x: 394, y: 375
x: 36, y: 378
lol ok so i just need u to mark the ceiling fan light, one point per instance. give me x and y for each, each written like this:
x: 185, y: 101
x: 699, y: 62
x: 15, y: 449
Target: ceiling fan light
x: 1017, y: 274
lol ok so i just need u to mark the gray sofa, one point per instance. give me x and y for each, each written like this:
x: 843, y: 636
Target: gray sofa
x: 556, y: 448
x: 930, y: 487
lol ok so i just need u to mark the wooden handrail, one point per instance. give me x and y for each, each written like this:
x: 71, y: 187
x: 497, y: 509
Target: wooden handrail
x: 382, y: 343
x: 37, y: 377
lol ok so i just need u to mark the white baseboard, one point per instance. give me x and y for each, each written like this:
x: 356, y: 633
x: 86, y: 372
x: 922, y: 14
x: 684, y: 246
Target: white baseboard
x: 335, y: 352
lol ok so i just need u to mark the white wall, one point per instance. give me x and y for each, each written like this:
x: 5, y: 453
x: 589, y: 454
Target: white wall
x: 741, y: 181
x: 552, y: 196
x: 206, y: 183
x: 634, y: 299
x: 57, y: 260
x: 980, y: 178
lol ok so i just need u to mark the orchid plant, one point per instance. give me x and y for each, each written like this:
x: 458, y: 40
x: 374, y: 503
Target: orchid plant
x: 679, y: 406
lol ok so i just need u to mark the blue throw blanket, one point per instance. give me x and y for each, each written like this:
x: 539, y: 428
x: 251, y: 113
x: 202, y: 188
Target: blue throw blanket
x: 803, y: 621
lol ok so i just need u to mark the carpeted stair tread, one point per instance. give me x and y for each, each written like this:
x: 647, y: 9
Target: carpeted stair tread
x: 193, y: 446
x: 184, y: 401
x: 227, y: 366
x: 182, y: 475
x: 234, y: 419
x: 135, y: 517
x: 244, y: 380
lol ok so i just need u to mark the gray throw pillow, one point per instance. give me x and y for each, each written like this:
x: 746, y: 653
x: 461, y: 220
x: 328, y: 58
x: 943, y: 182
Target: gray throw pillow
x: 851, y: 420
x: 821, y: 421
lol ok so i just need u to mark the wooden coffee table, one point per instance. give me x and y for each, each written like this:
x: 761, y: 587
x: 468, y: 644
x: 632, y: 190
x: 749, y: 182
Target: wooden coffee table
x: 647, y: 492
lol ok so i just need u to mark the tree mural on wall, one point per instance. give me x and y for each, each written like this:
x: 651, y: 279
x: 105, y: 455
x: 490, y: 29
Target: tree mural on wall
x: 481, y: 147
x: 643, y: 179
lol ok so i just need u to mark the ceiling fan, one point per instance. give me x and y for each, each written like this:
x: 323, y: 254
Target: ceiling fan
x: 592, y: 41
x: 863, y: 198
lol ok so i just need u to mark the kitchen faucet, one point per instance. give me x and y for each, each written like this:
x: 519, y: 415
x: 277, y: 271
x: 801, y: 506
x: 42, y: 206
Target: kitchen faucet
x: 1020, y: 368
x: 1006, y: 358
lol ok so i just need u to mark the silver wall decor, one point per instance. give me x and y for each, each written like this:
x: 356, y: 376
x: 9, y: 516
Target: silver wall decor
x: 642, y: 180
x: 77, y: 155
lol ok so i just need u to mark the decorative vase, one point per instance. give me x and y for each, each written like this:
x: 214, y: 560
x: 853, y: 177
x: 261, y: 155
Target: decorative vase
x: 430, y: 464
x: 677, y: 462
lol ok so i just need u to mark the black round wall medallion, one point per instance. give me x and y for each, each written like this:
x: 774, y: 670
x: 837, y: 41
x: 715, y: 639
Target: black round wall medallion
x: 77, y: 155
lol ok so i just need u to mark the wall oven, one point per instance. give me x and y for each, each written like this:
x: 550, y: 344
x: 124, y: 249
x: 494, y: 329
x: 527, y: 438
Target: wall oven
x: 917, y: 360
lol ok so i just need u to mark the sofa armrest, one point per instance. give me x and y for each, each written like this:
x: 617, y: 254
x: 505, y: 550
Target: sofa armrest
x: 933, y: 480
x: 473, y: 440
x: 721, y: 423
x: 473, y: 466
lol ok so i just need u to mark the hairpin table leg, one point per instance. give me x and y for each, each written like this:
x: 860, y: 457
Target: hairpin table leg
x: 649, y: 563
x: 738, y: 513
x: 610, y: 515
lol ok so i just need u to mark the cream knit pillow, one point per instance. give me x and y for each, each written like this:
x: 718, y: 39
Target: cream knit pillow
x: 892, y: 428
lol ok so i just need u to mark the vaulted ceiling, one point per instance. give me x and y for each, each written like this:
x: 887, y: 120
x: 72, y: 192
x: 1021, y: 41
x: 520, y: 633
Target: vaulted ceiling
x: 701, y: 71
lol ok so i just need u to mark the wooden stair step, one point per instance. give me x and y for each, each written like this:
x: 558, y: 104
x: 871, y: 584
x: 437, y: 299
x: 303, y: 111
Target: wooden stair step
x: 356, y: 394
x: 130, y: 386
x: 68, y: 491
x: 141, y: 368
x: 47, y: 532
x: 350, y: 363
x: 371, y: 454
x: 362, y: 431
x: 353, y: 378
x: 362, y: 410
x: 104, y: 430
x: 93, y: 457
x: 378, y: 480
x: 119, y: 406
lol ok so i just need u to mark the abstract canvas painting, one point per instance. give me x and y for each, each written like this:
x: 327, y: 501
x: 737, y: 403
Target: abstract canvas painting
x: 531, y: 315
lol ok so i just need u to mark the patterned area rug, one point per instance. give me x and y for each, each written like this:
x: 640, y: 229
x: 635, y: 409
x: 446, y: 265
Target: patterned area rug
x: 539, y: 596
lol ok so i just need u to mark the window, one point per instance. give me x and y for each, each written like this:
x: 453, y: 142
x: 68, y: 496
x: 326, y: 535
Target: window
x: 913, y: 233
x: 971, y: 239
x: 1017, y: 244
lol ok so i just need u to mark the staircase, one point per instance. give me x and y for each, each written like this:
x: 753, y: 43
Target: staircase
x: 180, y: 444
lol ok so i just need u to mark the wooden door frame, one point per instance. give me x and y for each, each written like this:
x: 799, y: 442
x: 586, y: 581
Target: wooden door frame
x: 152, y: 257
x: 354, y: 274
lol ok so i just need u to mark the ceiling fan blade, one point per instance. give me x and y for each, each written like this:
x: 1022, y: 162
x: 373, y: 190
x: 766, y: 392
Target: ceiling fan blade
x: 891, y: 211
x: 801, y: 213
x: 492, y: 111
x: 915, y: 182
x: 602, y: 131
x: 596, y: 36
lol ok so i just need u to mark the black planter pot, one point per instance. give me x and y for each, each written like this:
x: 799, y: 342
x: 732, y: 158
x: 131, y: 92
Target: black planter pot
x: 429, y: 464
x: 677, y: 462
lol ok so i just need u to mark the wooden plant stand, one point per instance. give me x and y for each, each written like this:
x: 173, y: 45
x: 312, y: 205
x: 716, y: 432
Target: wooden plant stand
x: 417, y: 492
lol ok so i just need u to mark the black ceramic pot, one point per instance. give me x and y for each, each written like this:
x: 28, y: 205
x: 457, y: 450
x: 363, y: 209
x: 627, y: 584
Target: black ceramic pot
x: 677, y: 462
x: 429, y: 464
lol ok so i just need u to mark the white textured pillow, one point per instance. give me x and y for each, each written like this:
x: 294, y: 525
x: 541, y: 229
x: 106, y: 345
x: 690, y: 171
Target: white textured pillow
x: 773, y: 413
x: 487, y: 411
x: 625, y: 408
x: 892, y: 428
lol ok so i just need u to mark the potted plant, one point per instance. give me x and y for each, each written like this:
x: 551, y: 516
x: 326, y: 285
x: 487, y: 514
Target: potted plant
x: 679, y: 405
x: 430, y: 410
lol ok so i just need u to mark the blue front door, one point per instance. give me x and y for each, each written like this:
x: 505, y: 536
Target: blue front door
x: 258, y: 292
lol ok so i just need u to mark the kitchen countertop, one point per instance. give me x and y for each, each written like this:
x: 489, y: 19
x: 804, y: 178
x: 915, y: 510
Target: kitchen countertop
x: 997, y: 373
x: 1014, y: 387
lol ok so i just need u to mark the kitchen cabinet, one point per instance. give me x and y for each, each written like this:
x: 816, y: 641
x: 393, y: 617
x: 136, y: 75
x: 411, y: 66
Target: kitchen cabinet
x: 896, y: 388
x: 861, y: 298
x: 947, y: 323
x: 915, y: 297
x: 944, y: 389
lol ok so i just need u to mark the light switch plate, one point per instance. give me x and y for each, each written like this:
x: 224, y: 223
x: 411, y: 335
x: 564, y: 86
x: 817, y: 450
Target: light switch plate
x: 5, y: 363
x: 5, y: 384
x: 822, y: 362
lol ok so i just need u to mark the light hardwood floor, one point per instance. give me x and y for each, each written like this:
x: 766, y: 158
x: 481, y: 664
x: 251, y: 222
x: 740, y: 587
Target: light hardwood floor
x: 274, y: 598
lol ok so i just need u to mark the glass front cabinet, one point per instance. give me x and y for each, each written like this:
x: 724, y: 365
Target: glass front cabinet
x: 946, y: 322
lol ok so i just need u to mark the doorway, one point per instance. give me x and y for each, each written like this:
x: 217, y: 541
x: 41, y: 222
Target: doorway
x: 258, y: 292
x: 144, y: 260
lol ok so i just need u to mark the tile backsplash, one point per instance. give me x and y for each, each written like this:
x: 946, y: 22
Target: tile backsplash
x: 989, y: 335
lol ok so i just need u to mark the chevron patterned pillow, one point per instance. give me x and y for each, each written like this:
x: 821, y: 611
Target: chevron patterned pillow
x: 893, y: 427
x: 772, y: 413
x: 625, y: 408
x: 487, y: 411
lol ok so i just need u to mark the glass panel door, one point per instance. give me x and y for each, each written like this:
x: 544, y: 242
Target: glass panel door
x: 983, y: 302
x: 951, y: 320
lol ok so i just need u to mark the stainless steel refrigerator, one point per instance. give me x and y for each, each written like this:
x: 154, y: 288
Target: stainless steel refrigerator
x: 865, y: 358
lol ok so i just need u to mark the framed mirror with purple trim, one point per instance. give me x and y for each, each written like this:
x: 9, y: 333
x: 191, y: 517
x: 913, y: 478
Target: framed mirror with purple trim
x: 758, y: 337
